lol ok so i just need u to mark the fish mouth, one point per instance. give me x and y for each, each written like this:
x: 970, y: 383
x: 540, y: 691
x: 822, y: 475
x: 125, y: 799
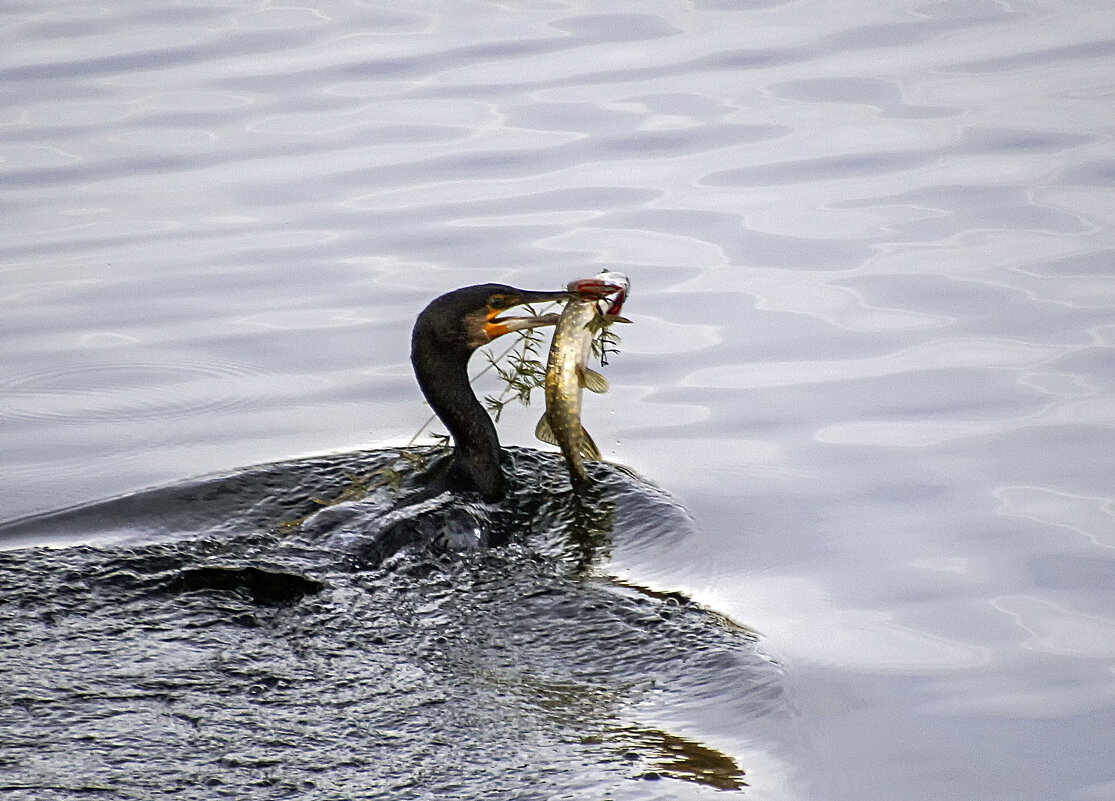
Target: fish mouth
x: 608, y: 289
x: 496, y: 326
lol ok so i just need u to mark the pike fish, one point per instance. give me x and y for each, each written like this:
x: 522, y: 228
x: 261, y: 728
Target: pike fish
x: 596, y: 302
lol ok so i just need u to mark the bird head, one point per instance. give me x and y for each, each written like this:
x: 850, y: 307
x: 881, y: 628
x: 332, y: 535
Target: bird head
x: 470, y: 317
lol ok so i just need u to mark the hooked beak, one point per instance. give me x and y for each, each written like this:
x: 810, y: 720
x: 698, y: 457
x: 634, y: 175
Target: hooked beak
x: 495, y: 326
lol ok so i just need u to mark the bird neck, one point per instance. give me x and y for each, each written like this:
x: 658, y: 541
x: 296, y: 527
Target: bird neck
x: 443, y: 377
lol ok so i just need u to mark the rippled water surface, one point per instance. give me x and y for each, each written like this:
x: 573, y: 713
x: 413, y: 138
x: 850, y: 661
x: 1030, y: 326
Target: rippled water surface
x: 873, y: 288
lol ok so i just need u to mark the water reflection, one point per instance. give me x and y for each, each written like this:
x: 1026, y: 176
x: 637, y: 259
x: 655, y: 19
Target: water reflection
x: 672, y: 756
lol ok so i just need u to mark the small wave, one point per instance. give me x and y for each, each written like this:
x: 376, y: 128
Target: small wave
x: 124, y: 391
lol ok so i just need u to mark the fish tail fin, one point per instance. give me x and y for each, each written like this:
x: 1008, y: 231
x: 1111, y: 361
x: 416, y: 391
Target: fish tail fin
x: 588, y: 447
x: 544, y: 432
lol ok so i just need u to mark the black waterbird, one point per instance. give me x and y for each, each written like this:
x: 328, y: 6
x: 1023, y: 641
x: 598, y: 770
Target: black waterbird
x: 446, y: 334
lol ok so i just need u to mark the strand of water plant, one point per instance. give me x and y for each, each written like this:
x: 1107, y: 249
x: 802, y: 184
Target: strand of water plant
x: 525, y: 374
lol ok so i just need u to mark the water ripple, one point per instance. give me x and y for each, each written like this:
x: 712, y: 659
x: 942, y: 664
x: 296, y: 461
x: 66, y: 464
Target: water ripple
x: 125, y: 391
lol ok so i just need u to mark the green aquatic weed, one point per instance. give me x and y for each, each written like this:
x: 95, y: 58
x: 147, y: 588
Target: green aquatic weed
x: 606, y: 341
x: 523, y: 373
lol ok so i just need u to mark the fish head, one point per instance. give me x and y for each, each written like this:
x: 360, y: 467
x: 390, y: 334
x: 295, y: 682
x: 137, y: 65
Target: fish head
x: 608, y: 289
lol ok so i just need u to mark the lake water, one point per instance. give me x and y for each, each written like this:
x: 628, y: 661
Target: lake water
x: 873, y: 274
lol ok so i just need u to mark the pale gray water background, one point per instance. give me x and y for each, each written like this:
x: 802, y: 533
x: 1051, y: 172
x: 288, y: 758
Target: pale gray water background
x: 872, y: 257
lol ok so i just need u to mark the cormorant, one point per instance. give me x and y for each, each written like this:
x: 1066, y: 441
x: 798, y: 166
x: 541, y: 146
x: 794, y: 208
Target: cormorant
x: 445, y: 335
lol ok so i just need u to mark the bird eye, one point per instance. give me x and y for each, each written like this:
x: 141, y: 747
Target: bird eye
x: 500, y: 302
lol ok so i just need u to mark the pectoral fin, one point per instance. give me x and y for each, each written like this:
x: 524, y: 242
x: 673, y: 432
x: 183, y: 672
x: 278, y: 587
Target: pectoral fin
x: 592, y: 380
x: 588, y: 447
x: 543, y: 432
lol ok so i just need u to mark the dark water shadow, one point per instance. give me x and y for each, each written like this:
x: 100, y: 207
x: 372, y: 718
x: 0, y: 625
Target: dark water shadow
x: 208, y: 642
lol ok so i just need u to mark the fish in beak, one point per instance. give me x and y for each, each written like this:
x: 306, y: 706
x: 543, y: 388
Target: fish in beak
x: 596, y: 302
